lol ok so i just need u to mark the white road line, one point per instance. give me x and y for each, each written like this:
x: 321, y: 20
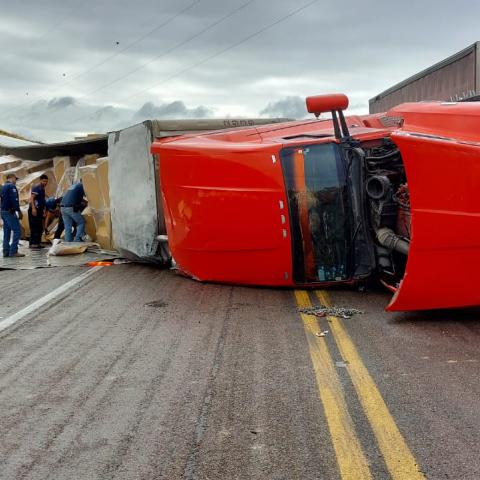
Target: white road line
x: 9, y: 321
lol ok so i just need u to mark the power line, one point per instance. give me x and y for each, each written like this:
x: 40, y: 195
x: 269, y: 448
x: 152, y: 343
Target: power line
x: 170, y: 50
x: 61, y: 20
x: 135, y: 42
x: 206, y: 59
x: 104, y: 61
x: 46, y: 33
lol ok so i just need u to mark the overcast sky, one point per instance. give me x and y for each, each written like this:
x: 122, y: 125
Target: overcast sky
x: 73, y: 67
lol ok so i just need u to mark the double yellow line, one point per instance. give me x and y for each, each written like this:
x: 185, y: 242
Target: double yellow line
x: 351, y: 460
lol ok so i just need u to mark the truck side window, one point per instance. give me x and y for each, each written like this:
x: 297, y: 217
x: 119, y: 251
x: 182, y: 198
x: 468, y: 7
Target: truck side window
x: 316, y: 189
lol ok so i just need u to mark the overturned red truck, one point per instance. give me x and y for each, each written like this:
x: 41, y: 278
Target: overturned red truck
x: 321, y: 202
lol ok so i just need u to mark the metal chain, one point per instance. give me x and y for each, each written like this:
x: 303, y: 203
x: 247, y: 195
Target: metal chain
x: 321, y: 311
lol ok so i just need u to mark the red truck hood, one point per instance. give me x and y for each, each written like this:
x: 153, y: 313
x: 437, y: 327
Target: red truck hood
x: 441, y: 153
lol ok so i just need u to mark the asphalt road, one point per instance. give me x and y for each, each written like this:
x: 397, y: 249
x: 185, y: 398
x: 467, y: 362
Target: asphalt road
x: 136, y: 373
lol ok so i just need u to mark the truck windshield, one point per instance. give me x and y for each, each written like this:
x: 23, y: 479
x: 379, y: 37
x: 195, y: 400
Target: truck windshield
x: 317, y: 196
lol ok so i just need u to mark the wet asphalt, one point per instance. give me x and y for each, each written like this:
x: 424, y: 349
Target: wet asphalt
x: 138, y: 373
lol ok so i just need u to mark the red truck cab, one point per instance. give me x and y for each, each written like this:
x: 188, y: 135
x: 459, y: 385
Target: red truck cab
x: 321, y: 202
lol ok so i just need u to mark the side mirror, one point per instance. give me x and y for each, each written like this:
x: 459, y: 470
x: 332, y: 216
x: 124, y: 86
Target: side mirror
x: 327, y: 103
x: 333, y: 103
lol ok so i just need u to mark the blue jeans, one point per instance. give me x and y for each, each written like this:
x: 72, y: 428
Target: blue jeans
x: 69, y: 216
x: 10, y: 224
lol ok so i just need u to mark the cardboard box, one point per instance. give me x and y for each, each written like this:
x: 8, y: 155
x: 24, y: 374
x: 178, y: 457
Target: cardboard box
x: 95, y: 184
x: 90, y: 228
x: 8, y: 162
x: 60, y: 165
x: 88, y: 175
x: 65, y: 182
x: 102, y: 176
x: 103, y: 229
x: 88, y: 160
x: 25, y: 226
x: 37, y: 166
x: 19, y: 171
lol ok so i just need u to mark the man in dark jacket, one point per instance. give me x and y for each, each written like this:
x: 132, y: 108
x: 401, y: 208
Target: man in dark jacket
x: 11, y: 223
x: 36, y: 212
x: 72, y: 204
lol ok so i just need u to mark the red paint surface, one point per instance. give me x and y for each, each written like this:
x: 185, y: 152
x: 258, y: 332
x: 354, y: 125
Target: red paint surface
x: 327, y: 103
x: 222, y: 195
x: 223, y: 212
x: 444, y: 183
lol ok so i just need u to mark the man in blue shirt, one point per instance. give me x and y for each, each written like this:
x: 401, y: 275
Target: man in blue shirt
x: 72, y: 204
x: 52, y: 206
x: 36, y: 212
x: 11, y: 223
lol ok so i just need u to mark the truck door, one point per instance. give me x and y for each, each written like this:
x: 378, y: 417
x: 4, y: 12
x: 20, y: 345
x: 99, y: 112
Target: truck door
x: 315, y: 180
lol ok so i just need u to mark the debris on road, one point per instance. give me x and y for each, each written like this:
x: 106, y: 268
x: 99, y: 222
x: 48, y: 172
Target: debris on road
x: 70, y: 248
x: 322, y: 311
x: 157, y: 304
x: 40, y: 259
x: 321, y: 334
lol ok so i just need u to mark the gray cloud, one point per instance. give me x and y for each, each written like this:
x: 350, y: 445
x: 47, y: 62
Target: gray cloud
x: 175, y: 109
x: 63, y: 118
x: 290, y: 107
x: 62, y: 102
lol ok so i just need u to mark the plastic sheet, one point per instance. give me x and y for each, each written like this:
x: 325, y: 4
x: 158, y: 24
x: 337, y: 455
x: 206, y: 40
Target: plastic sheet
x: 39, y: 259
x: 134, y: 218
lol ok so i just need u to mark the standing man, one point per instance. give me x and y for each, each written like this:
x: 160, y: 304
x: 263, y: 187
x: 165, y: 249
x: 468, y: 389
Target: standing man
x: 72, y: 204
x: 11, y: 223
x: 36, y: 212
